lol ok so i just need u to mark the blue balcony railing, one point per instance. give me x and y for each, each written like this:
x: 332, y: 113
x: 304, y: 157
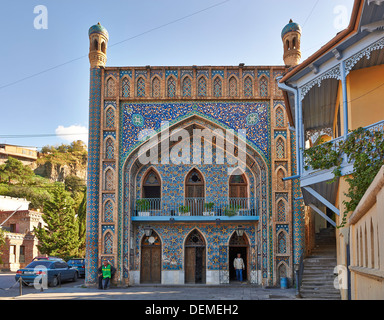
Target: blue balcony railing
x: 196, y: 207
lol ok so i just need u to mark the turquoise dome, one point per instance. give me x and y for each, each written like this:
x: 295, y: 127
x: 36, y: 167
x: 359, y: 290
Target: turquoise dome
x: 98, y: 28
x: 291, y: 26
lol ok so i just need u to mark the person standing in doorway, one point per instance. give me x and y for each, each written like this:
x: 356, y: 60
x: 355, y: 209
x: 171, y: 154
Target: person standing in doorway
x: 238, y: 263
x: 106, y: 273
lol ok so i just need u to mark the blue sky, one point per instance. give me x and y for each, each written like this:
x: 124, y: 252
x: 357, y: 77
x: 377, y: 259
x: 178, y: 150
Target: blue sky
x: 44, y: 84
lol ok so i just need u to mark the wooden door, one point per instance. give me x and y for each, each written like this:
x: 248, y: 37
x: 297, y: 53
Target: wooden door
x: 238, y: 191
x: 194, y: 193
x: 190, y: 257
x: 150, y: 271
x: 195, y: 256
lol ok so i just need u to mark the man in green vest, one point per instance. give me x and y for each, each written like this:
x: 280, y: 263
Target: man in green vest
x: 106, y: 273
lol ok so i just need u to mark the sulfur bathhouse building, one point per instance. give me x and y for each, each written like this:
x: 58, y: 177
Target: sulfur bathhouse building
x: 186, y: 168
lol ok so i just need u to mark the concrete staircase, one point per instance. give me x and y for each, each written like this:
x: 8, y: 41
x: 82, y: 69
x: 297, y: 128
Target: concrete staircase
x: 318, y: 274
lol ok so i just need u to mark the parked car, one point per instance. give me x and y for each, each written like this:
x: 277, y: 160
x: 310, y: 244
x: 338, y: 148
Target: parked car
x: 56, y: 271
x: 79, y: 264
x: 48, y: 258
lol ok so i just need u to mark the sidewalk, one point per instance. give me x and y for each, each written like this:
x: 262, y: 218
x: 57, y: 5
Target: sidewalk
x: 244, y: 292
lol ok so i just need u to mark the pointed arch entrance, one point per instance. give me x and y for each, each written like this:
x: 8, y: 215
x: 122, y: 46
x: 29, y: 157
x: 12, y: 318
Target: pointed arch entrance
x: 238, y: 245
x: 150, y: 267
x: 194, y: 258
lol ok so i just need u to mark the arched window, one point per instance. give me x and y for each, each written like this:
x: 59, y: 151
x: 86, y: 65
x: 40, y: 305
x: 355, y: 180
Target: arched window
x: 151, y: 186
x: 263, y: 87
x: 108, y: 243
x: 171, y: 87
x: 238, y: 186
x: 187, y: 87
x: 248, y: 87
x: 156, y: 88
x: 232, y: 87
x: 103, y: 47
x: 280, y: 148
x: 281, y: 243
x: 95, y: 45
x: 108, y: 211
x: 110, y: 118
x: 108, y: 180
x: 217, y: 87
x: 202, y: 87
x: 280, y: 121
x: 125, y: 88
x: 110, y: 88
x: 194, y: 193
x: 281, y: 217
x: 109, y: 149
x: 140, y: 90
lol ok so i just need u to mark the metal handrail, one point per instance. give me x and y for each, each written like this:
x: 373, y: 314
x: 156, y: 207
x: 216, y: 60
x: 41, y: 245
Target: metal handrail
x: 195, y: 207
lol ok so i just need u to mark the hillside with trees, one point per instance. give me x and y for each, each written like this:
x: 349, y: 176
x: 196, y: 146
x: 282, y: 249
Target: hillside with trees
x: 63, y: 200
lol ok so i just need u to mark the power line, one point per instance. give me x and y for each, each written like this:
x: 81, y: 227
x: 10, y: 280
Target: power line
x: 310, y: 14
x: 115, y: 44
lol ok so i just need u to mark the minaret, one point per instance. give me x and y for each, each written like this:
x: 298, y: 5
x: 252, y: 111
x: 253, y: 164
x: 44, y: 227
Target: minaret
x: 98, y: 38
x: 291, y: 36
x: 98, y: 41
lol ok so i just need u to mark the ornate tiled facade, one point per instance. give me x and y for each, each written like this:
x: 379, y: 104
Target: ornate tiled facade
x: 130, y: 104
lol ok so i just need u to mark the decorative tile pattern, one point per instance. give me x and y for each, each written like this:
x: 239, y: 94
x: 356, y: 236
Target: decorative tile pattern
x: 280, y: 149
x: 248, y: 87
x: 187, y: 87
x: 110, y: 88
x: 108, y: 243
x: 263, y: 85
x: 281, y: 216
x: 156, y: 88
x: 280, y: 118
x: 202, y: 87
x: 233, y: 87
x: 126, y: 88
x: 109, y: 149
x: 217, y: 87
x: 140, y: 87
x: 171, y: 87
x: 108, y: 211
x: 110, y: 118
x: 93, y: 179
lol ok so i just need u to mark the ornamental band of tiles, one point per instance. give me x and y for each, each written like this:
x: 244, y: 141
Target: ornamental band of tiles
x: 127, y: 103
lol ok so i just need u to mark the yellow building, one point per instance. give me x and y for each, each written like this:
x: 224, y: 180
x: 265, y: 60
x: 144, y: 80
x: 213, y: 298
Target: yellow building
x: 24, y: 154
x: 337, y: 89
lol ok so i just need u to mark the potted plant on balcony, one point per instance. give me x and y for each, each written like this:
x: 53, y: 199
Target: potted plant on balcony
x: 184, y: 211
x: 231, y: 210
x: 208, y: 209
x: 142, y: 207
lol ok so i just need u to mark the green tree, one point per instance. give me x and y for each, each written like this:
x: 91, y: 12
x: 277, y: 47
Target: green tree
x: 60, y: 236
x: 14, y: 171
x: 81, y: 218
x: 2, y: 242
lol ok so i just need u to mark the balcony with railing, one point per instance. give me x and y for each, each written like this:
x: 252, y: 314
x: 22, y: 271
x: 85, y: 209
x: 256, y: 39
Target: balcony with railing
x: 195, y: 209
x: 329, y: 153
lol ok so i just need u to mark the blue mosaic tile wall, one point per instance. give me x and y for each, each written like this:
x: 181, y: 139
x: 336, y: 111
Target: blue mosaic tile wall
x: 217, y: 238
x: 93, y: 179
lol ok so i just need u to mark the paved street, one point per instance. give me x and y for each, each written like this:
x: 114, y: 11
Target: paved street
x: 75, y: 291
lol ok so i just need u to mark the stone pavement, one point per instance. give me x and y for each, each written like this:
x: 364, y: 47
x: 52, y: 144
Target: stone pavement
x: 77, y: 291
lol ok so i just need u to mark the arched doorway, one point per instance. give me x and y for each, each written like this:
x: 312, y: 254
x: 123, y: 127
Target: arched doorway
x: 195, y: 256
x: 150, y: 271
x: 238, y: 244
x: 194, y: 193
